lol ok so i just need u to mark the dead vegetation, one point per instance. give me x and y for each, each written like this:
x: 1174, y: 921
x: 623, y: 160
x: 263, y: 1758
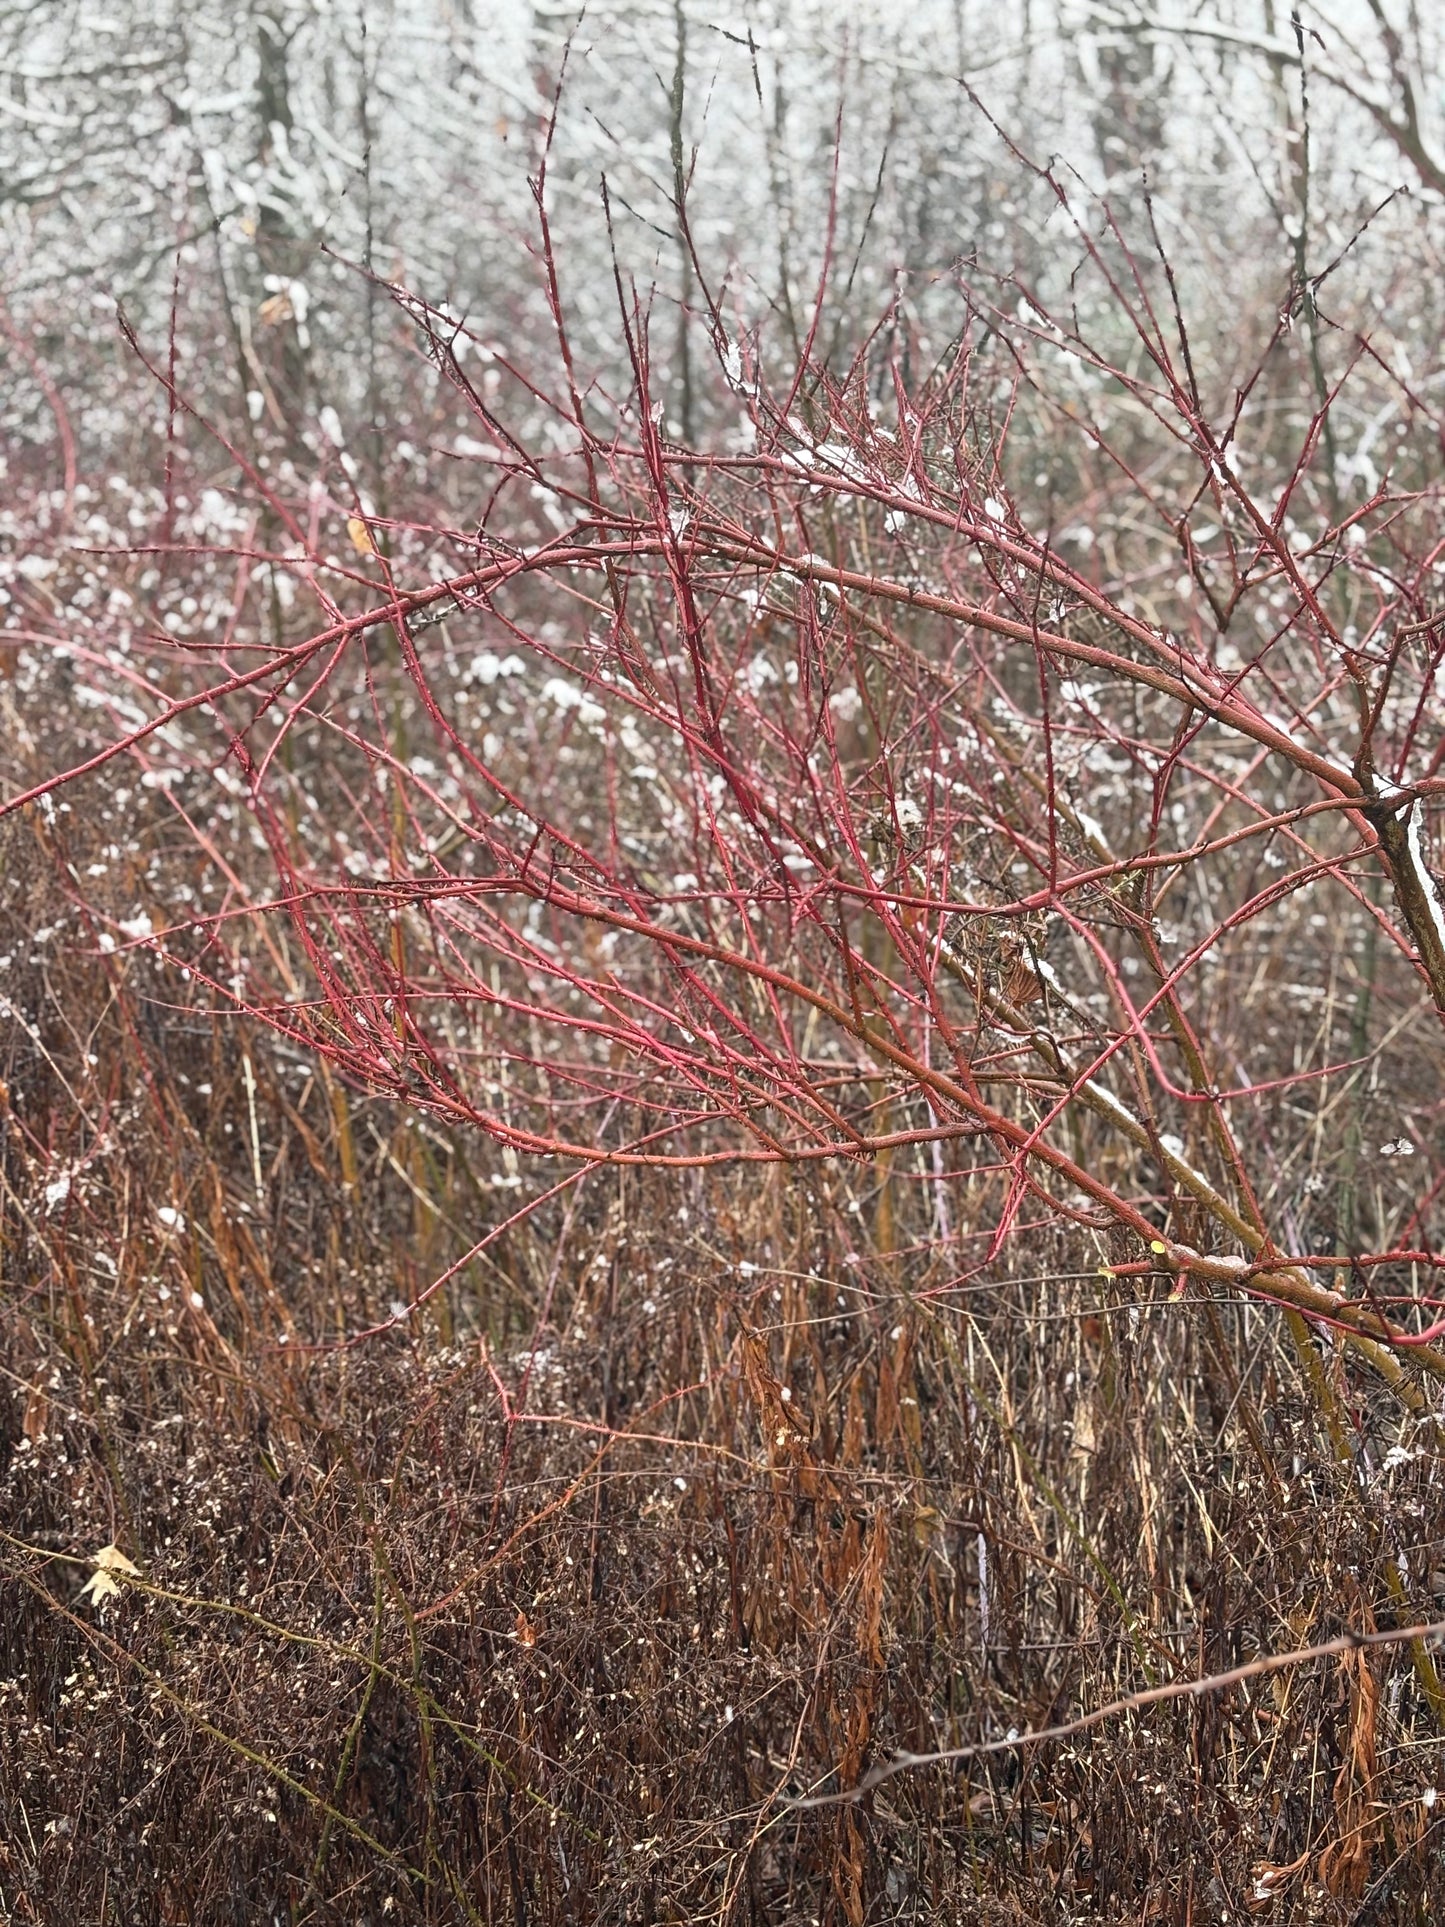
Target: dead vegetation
x: 730, y: 1115
x: 541, y: 1606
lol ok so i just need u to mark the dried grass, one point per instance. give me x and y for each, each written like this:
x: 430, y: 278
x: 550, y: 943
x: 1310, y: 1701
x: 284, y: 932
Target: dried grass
x: 405, y: 1647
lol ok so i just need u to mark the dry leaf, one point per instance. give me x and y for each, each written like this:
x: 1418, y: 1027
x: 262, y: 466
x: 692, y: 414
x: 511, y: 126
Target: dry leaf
x: 1345, y: 1866
x: 99, y: 1587
x: 785, y: 1427
x: 927, y: 1524
x: 360, y: 535
x: 37, y: 1410
x: 101, y: 1584
x: 1269, y: 1881
x: 1021, y: 986
x: 112, y: 1559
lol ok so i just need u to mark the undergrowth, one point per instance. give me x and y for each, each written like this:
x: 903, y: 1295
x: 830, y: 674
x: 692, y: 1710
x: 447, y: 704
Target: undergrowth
x: 678, y: 1119
x: 543, y: 1605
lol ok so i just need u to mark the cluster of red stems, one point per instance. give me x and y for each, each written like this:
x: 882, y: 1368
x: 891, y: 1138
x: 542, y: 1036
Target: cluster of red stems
x: 812, y: 799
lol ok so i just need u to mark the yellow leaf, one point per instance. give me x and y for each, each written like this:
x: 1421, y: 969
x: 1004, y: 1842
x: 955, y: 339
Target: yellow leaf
x: 927, y: 1523
x: 101, y: 1584
x: 99, y: 1587
x: 360, y: 535
x: 112, y: 1559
